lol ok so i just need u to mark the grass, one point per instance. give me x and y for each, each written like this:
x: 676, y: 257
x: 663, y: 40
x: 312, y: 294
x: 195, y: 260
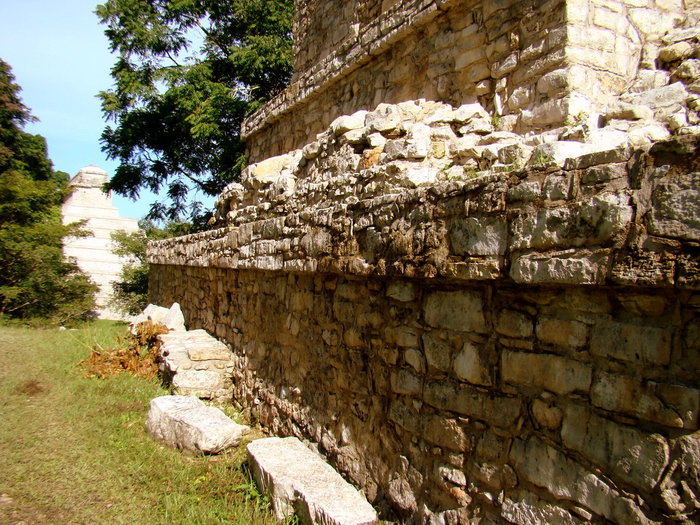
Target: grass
x: 74, y: 450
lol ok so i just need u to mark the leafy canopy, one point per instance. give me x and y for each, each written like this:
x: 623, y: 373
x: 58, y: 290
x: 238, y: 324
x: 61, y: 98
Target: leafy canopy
x: 35, y: 278
x: 130, y: 292
x: 187, y: 74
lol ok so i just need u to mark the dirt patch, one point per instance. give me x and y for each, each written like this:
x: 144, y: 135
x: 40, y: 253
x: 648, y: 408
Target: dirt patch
x: 31, y: 387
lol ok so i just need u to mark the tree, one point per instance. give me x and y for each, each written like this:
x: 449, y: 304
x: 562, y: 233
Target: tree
x: 35, y: 278
x: 130, y: 293
x: 188, y: 72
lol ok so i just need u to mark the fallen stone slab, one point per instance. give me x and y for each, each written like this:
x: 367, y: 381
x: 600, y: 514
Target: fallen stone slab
x: 185, y: 422
x: 299, y: 481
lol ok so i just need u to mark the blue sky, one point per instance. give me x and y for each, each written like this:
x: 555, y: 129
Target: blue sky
x: 60, y: 57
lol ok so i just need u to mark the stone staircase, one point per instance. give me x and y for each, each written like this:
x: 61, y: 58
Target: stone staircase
x: 297, y: 480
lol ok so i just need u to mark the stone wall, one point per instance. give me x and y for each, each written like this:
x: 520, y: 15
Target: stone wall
x: 533, y: 65
x: 510, y: 346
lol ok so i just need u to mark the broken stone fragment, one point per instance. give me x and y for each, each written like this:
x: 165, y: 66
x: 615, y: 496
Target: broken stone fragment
x: 386, y: 119
x: 187, y: 423
x: 346, y: 123
x: 299, y: 481
x: 627, y: 111
x: 172, y: 318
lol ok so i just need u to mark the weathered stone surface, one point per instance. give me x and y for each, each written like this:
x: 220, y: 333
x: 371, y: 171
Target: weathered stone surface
x: 195, y: 364
x: 551, y: 372
x: 514, y: 324
x: 674, y: 94
x: 327, y: 348
x: 300, y: 482
x: 564, y: 268
x: 500, y: 411
x: 174, y: 320
x: 563, y: 333
x: 201, y: 383
x: 676, y: 207
x: 187, y: 423
x: 629, y: 454
x: 460, y: 310
x: 469, y: 366
x: 645, y: 344
x: 472, y: 236
x: 670, y: 405
x: 529, y: 510
x: 547, y: 467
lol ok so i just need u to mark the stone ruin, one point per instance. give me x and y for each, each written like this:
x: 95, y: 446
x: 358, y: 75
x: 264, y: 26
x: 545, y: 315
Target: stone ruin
x: 463, y: 262
x: 93, y: 254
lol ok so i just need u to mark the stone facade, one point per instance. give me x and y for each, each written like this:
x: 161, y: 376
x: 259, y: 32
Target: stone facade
x: 93, y: 254
x: 533, y: 65
x: 478, y: 296
x: 507, y: 347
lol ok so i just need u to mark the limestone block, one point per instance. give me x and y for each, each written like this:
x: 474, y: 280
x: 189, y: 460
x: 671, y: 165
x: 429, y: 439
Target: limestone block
x: 467, y: 112
x: 437, y: 352
x: 478, y: 236
x: 422, y: 175
x: 174, y: 320
x: 666, y: 404
x: 469, y: 366
x: 688, y: 71
x: 558, y: 152
x: 549, y: 468
x: 676, y: 207
x: 513, y: 324
x: 386, y: 119
x: 661, y: 97
x: 419, y: 142
x: 445, y: 432
x: 187, y: 423
x: 626, y: 111
x: 551, y: 372
x: 567, y: 268
x: 266, y: 171
x: 675, y: 52
x: 595, y: 221
x: 525, y: 191
x: 346, y: 123
x: 460, y: 310
x: 298, y: 481
x: 401, y: 291
x: 630, y: 454
x: 561, y: 332
x: 529, y: 510
x: 628, y: 342
x: 202, y: 383
x: 496, y: 410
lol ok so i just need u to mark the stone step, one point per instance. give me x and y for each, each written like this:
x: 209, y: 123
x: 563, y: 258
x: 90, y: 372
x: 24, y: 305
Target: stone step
x: 195, y: 363
x: 299, y: 481
x: 185, y: 422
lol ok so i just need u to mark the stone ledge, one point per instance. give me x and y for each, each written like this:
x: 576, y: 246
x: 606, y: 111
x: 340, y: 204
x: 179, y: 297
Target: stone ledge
x: 479, y: 229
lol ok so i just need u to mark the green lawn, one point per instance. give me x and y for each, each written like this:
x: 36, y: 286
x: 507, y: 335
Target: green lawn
x: 74, y: 450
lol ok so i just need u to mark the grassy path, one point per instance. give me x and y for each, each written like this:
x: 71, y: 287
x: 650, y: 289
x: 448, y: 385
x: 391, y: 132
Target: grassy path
x: 74, y: 450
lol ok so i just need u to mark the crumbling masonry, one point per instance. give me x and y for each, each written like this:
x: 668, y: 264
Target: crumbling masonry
x: 463, y: 262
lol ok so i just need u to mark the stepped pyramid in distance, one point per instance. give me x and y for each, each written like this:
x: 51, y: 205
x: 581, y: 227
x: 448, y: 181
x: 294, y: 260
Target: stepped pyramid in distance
x: 93, y: 254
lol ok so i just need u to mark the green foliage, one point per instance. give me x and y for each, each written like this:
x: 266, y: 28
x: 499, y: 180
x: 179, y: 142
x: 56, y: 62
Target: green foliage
x: 187, y: 74
x: 35, y: 278
x: 131, y: 290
